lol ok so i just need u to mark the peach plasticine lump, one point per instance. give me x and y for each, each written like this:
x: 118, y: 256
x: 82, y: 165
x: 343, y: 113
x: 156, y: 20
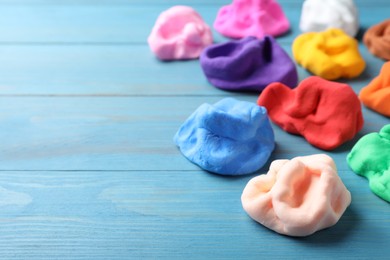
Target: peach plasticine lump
x: 297, y: 197
x: 179, y: 33
x: 330, y: 54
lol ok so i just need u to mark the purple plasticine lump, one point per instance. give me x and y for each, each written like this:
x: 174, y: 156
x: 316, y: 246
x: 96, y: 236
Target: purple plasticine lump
x: 249, y: 64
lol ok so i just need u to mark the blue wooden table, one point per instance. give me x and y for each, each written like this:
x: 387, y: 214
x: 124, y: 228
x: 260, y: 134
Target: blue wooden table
x: 88, y: 168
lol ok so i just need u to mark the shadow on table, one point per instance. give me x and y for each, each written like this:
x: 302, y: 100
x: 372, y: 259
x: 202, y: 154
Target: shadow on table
x: 332, y: 236
x: 347, y: 146
x: 360, y: 34
x: 336, y: 234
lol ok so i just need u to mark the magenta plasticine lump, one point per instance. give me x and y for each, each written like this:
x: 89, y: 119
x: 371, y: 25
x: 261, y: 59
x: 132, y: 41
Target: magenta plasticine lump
x: 251, y: 18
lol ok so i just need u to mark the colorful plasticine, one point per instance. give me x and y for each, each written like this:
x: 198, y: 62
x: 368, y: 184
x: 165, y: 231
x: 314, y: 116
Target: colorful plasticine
x: 248, y: 64
x: 376, y: 95
x: 377, y: 39
x: 331, y: 54
x: 370, y: 158
x: 230, y: 137
x: 179, y: 33
x: 251, y: 18
x: 297, y: 197
x: 320, y: 15
x: 325, y: 113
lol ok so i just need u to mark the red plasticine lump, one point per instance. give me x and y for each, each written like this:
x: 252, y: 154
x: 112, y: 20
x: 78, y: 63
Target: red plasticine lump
x: 325, y: 113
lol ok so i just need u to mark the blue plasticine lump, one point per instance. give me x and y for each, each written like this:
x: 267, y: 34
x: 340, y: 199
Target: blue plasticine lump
x: 230, y: 137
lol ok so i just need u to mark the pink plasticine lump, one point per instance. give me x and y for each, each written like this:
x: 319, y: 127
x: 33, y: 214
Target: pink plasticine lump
x: 179, y: 33
x: 251, y: 18
x: 297, y: 197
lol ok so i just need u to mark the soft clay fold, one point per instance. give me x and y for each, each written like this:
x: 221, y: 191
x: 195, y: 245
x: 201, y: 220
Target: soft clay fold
x: 248, y: 64
x: 320, y: 15
x: 377, y: 39
x: 370, y: 158
x: 179, y: 33
x: 251, y: 18
x: 330, y: 54
x: 230, y: 137
x: 297, y: 197
x: 325, y: 113
x: 376, y: 95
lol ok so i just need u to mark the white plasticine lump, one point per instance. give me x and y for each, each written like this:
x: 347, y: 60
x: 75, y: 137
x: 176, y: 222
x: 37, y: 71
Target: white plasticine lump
x: 320, y: 15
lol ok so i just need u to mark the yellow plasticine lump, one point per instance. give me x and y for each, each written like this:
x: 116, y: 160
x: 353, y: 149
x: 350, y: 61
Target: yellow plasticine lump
x: 330, y: 54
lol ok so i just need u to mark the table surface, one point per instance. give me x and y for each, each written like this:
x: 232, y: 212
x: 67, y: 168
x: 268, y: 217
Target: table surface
x: 88, y: 167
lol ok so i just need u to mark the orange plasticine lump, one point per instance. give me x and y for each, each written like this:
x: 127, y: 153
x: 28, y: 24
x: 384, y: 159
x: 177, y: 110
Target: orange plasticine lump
x: 330, y: 54
x: 376, y: 95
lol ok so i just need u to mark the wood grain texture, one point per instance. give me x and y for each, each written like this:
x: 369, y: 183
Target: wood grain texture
x: 119, y: 24
x: 117, y: 71
x: 88, y: 167
x: 70, y: 133
x: 174, y: 214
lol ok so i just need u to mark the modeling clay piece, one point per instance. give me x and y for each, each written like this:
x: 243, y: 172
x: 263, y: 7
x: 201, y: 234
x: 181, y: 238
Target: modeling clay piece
x: 370, y: 157
x: 248, y: 64
x: 330, y: 54
x: 230, y: 137
x: 376, y: 95
x: 319, y: 15
x: 251, y: 18
x: 179, y: 33
x: 326, y: 113
x: 377, y: 40
x: 297, y: 197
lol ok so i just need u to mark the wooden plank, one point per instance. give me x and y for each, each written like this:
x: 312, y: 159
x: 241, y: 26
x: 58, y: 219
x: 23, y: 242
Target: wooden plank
x: 117, y: 70
x: 135, y: 133
x: 117, y: 24
x: 88, y: 168
x: 85, y: 24
x: 155, y: 2
x: 133, y: 215
x: 99, y: 70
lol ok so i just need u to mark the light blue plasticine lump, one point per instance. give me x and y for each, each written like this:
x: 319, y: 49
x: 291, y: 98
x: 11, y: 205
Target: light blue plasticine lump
x: 230, y: 137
